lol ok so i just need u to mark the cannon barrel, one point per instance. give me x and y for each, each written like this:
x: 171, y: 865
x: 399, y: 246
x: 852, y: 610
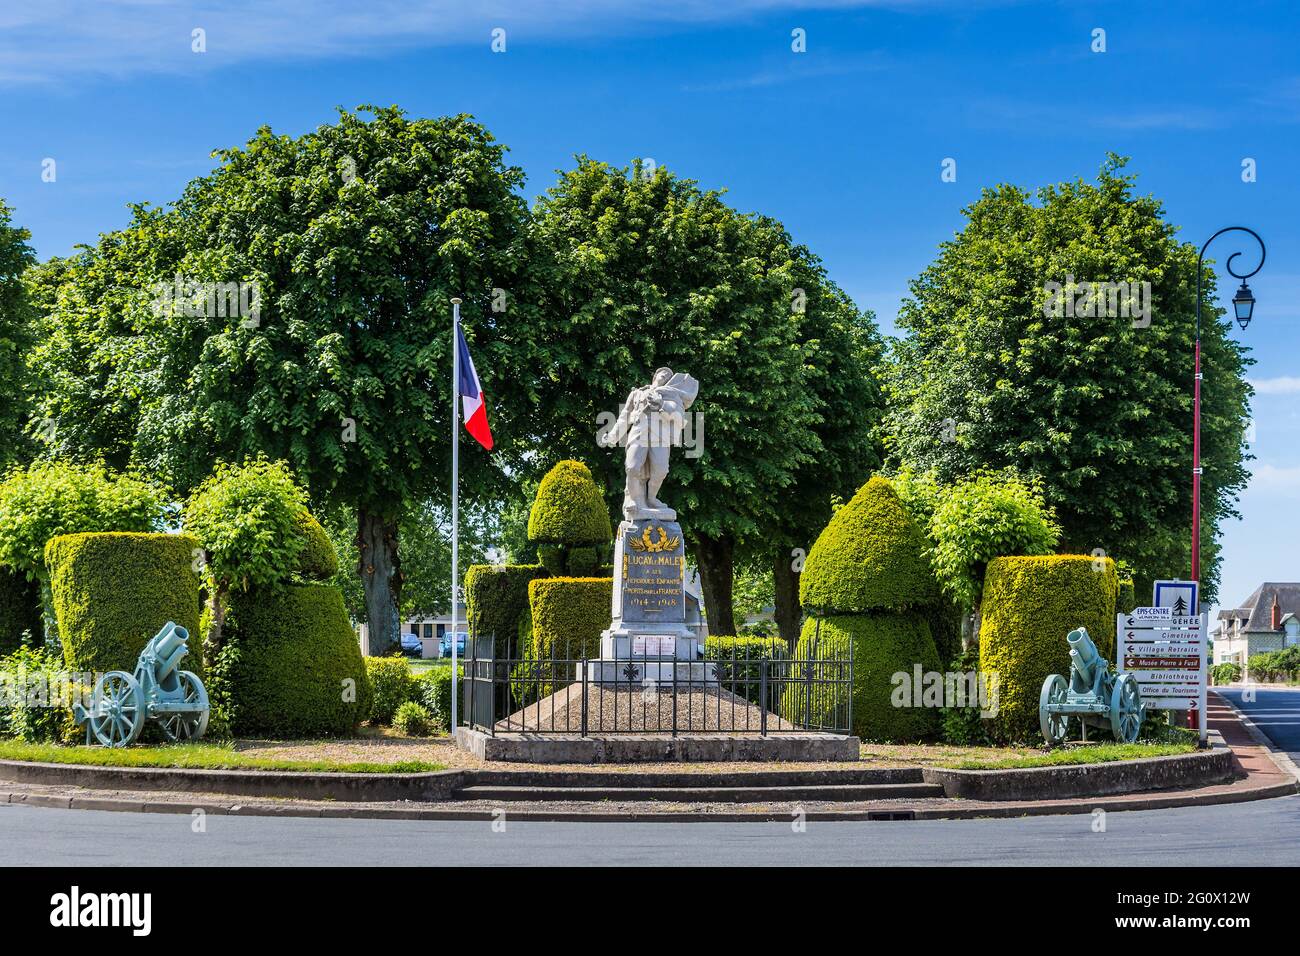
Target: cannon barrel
x: 1083, y: 654
x: 169, y: 649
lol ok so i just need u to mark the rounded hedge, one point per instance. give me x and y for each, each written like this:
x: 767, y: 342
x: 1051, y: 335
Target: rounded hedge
x: 20, y: 609
x: 1030, y: 605
x: 568, y: 616
x: 569, y: 508
x: 870, y: 556
x: 290, y: 665
x: 883, y: 645
x: 318, y: 560
x: 113, y: 591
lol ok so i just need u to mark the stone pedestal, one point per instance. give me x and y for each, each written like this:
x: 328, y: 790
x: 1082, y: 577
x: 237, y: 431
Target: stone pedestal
x: 648, y: 638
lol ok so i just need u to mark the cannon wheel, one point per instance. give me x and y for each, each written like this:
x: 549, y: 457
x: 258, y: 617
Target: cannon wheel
x: 116, y: 709
x: 1054, y: 726
x: 188, y: 725
x: 1126, y: 709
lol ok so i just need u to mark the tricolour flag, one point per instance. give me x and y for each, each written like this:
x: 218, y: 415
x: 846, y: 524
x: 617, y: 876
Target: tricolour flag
x: 471, y: 395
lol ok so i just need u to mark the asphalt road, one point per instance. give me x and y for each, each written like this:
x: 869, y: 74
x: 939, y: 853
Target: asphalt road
x: 1263, y: 833
x: 1274, y: 711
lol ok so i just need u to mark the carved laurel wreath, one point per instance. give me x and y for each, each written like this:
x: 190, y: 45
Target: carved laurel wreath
x: 647, y: 543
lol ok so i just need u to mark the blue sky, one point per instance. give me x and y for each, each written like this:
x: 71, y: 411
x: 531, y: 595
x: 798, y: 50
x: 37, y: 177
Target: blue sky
x: 844, y: 142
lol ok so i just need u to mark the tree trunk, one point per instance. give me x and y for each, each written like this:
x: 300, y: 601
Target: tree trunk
x: 713, y: 556
x: 381, y: 576
x: 785, y: 610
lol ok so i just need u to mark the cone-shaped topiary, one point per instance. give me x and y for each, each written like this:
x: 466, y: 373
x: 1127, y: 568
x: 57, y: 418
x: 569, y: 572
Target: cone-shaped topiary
x: 569, y: 520
x: 871, y: 556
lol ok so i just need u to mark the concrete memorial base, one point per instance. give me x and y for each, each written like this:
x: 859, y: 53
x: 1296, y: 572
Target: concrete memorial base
x: 693, y: 747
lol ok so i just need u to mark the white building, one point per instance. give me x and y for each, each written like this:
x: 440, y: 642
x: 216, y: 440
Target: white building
x: 1268, y: 620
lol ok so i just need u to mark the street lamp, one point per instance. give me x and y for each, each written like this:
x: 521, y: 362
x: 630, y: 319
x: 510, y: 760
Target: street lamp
x: 1243, y: 306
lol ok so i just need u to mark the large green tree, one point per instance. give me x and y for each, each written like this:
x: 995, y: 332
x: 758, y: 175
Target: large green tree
x: 994, y: 371
x: 638, y: 269
x: 16, y: 315
x: 349, y: 242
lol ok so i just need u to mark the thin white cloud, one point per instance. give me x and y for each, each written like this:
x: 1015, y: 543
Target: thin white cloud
x: 48, y: 41
x: 1265, y: 477
x: 1281, y: 385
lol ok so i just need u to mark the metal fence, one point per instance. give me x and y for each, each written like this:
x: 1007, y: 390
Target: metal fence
x: 756, y: 686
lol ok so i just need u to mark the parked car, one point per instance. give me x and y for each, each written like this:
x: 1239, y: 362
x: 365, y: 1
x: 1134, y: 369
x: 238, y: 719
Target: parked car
x: 445, y: 649
x: 411, y: 646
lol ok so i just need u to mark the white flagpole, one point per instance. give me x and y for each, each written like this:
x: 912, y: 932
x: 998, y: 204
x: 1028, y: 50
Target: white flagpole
x: 455, y: 504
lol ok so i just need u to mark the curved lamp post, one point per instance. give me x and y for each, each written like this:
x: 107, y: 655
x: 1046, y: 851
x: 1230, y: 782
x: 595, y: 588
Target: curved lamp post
x: 1243, y: 306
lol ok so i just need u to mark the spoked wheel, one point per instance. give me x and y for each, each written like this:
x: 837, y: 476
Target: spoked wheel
x: 116, y: 709
x: 1053, y: 725
x: 1126, y: 709
x: 188, y: 725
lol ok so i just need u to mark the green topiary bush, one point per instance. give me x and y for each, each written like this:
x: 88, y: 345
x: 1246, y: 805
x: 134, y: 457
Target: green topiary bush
x: 568, y: 615
x: 290, y: 665
x: 413, y: 719
x: 870, y: 556
x: 882, y: 645
x: 738, y: 663
x: 20, y: 610
x: 113, y: 591
x: 1030, y: 605
x: 496, y: 599
x: 391, y: 685
x: 569, y: 508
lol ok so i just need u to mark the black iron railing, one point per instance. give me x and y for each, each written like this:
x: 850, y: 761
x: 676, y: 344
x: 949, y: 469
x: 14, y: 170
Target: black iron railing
x: 749, y: 686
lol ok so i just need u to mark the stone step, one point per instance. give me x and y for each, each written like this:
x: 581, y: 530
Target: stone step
x: 751, y: 794
x: 643, y: 779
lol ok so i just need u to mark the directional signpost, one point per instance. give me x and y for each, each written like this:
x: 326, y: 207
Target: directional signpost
x: 1166, y: 653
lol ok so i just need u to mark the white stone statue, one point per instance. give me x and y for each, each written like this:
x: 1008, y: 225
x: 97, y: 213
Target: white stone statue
x: 650, y: 423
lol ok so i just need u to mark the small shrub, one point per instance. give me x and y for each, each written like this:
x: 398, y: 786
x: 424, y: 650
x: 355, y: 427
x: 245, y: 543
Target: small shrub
x: 318, y: 560
x: 1225, y: 673
x: 391, y: 685
x: 413, y: 719
x: 36, y: 698
x: 433, y: 691
x: 1030, y: 605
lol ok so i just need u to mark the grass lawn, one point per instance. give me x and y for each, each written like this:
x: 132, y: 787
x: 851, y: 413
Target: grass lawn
x: 204, y: 756
x: 1007, y: 758
x: 420, y: 666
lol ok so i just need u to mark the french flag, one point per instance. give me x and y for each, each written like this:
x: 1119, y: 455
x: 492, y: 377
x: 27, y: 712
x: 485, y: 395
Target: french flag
x: 471, y: 395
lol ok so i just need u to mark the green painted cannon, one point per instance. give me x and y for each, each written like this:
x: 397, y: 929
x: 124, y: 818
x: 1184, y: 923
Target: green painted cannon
x: 1094, y: 695
x: 158, y: 690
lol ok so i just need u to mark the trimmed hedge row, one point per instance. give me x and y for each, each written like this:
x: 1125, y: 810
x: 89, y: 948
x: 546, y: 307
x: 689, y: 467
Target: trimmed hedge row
x: 113, y: 591
x: 568, y: 615
x: 1030, y: 605
x: 20, y: 609
x: 496, y: 599
x: 882, y: 645
x: 290, y: 665
x: 871, y: 556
